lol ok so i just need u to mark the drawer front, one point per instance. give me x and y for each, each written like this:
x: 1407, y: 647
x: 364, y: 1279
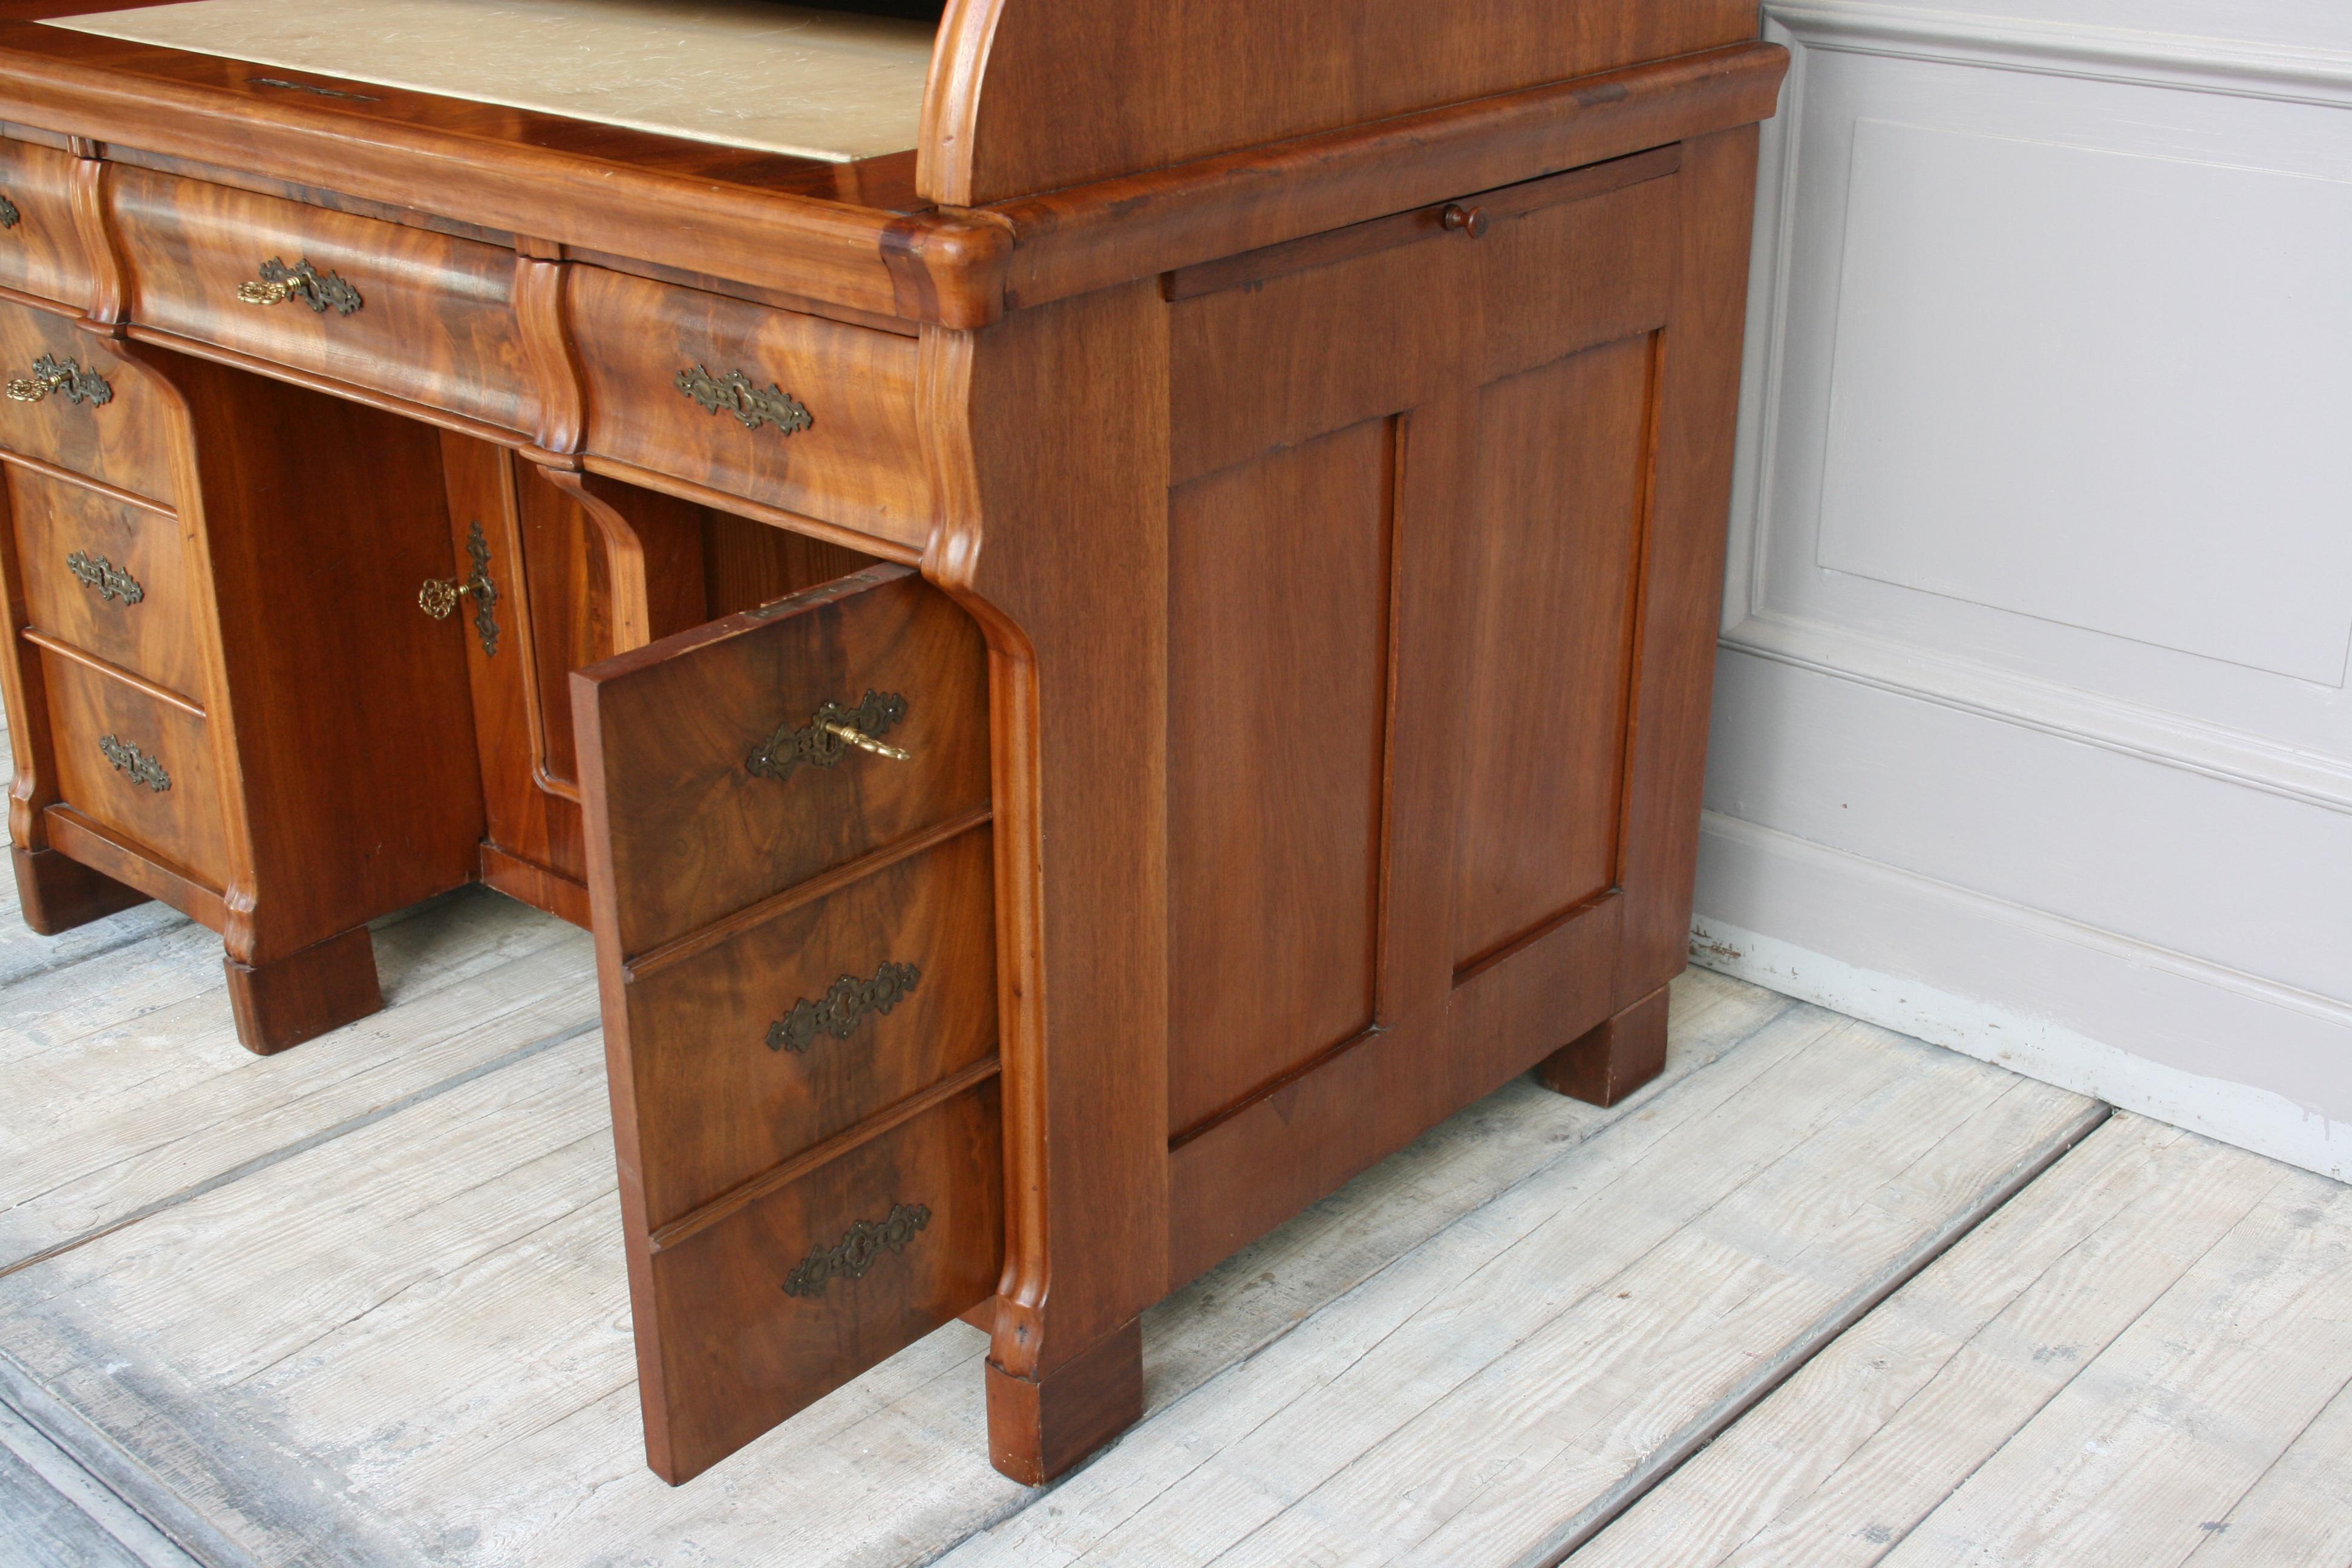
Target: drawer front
x: 711, y: 782
x: 812, y: 415
x: 768, y: 1309
x: 137, y: 766
x: 419, y: 315
x: 74, y: 403
x: 798, y: 1028
x: 796, y: 940
x: 108, y: 576
x: 40, y: 251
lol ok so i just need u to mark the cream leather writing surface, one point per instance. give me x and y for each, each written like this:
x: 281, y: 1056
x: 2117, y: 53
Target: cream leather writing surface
x: 782, y: 79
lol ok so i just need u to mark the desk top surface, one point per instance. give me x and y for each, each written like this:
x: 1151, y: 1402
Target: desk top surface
x: 738, y: 73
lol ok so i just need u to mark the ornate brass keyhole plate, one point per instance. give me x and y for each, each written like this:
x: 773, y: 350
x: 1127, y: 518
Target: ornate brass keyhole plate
x: 438, y: 597
x: 736, y: 393
x: 134, y: 765
x: 847, y: 1002
x: 320, y: 290
x: 854, y: 1254
x: 104, y: 578
x: 53, y: 374
x: 831, y: 733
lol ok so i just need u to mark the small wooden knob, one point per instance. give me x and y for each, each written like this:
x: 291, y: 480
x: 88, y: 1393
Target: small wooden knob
x: 1470, y: 221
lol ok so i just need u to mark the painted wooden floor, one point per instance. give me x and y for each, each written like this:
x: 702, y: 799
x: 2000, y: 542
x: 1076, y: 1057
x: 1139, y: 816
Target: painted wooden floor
x: 1823, y: 1295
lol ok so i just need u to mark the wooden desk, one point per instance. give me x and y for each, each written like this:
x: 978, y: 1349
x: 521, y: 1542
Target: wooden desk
x: 1092, y: 677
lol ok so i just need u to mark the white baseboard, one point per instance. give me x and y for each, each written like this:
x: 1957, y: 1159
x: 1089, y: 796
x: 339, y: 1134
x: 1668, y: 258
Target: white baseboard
x: 2086, y: 1010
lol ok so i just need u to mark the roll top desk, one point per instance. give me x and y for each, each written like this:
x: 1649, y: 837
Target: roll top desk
x: 1092, y: 673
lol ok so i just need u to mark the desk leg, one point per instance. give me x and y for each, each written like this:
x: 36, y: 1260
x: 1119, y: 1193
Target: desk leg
x: 1612, y: 1058
x: 305, y: 994
x: 59, y: 893
x: 1039, y: 1428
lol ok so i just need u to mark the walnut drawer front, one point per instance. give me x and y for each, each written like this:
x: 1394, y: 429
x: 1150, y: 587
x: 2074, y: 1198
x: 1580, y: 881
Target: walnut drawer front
x: 107, y: 575
x: 810, y: 415
x: 714, y: 780
x: 139, y: 767
x: 421, y: 316
x: 40, y: 250
x: 73, y: 403
x: 758, y: 1311
x: 796, y: 940
x: 795, y: 1029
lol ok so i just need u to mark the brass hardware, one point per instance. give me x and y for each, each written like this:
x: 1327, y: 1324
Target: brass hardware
x: 846, y: 1004
x: 438, y: 598
x: 280, y: 283
x: 1460, y: 219
x: 829, y: 735
x: 135, y: 764
x: 9, y: 216
x: 866, y: 742
x: 854, y: 1254
x: 104, y: 578
x: 50, y: 375
x: 734, y: 393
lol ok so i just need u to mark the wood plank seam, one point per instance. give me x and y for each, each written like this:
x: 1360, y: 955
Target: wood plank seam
x: 105, y: 1510
x: 1961, y: 1481
x: 303, y: 1145
x: 112, y: 1467
x: 1752, y: 1391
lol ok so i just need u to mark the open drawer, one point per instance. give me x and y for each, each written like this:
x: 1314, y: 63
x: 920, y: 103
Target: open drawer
x: 791, y: 879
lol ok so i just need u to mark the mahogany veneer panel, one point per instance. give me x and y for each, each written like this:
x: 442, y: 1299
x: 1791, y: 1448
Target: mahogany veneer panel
x: 160, y: 634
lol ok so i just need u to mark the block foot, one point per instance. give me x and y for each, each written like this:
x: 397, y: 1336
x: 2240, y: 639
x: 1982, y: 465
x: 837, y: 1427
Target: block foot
x: 305, y: 994
x: 59, y: 893
x: 1038, y: 1428
x: 1612, y: 1058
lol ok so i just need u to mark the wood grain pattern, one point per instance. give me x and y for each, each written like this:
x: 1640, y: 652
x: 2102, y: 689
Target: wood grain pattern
x: 730, y: 1100
x: 157, y: 635
x: 184, y: 824
x: 1277, y: 708
x: 41, y: 253
x: 1054, y: 534
x: 436, y: 325
x: 1562, y: 466
x: 691, y: 832
x: 998, y: 125
x: 728, y: 1351
x: 858, y: 463
x: 127, y: 442
x: 346, y: 806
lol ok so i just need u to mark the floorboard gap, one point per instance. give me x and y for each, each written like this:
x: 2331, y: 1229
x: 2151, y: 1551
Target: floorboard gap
x: 1711, y: 1423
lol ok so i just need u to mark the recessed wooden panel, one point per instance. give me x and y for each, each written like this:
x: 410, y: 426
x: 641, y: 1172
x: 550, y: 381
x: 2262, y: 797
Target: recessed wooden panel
x: 740, y: 1324
x: 126, y: 441
x: 110, y: 577
x: 735, y: 1061
x: 436, y: 325
x: 858, y: 462
x: 40, y: 252
x: 182, y: 825
x: 1278, y: 683
x: 1562, y: 460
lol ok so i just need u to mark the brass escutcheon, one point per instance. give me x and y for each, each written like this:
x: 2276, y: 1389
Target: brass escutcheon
x: 9, y: 216
x: 438, y: 597
x: 829, y: 735
x: 52, y: 374
x: 738, y: 395
x: 846, y: 1004
x: 104, y: 578
x: 320, y: 290
x: 134, y: 765
x: 856, y: 1252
